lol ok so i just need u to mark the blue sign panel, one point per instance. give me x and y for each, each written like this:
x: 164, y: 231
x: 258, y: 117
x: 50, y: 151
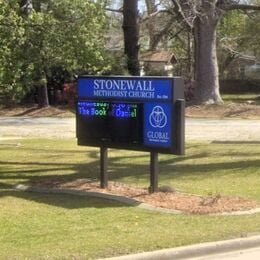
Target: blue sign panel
x: 139, y: 113
x: 157, y: 124
x: 125, y: 88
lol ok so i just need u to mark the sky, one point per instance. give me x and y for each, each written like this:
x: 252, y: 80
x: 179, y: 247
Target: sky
x: 118, y: 4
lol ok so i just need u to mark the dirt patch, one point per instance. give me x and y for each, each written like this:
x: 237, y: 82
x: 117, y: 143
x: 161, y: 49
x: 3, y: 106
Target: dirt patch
x: 187, y: 203
x: 232, y: 110
x: 35, y: 111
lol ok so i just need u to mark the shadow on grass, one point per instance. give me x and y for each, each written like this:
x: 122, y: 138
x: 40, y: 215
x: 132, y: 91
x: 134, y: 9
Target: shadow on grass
x: 4, y: 186
x: 67, y: 201
x: 37, y: 172
x: 34, y: 172
x: 171, y: 167
x: 206, y: 170
x: 37, y: 111
x: 28, y: 111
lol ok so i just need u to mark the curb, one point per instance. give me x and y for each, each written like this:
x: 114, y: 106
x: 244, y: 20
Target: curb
x: 125, y: 200
x: 198, y: 250
x: 106, y: 196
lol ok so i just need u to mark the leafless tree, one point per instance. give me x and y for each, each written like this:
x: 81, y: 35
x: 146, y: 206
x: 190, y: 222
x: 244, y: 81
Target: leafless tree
x: 131, y: 35
x: 202, y: 16
x: 159, y: 22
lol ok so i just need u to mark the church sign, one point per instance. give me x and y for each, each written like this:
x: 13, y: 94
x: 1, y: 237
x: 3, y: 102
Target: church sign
x: 137, y: 113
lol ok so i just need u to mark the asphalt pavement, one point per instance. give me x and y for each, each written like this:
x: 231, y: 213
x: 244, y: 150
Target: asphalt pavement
x: 228, y: 130
x: 248, y: 254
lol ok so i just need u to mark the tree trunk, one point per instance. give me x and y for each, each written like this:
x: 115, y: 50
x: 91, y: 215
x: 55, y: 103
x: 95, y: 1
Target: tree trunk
x: 43, y: 96
x: 131, y: 35
x: 43, y: 92
x: 206, y: 65
x: 190, y: 69
x: 151, y: 8
x: 26, y: 7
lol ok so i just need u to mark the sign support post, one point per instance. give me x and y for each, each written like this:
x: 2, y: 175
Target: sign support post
x: 180, y: 129
x: 154, y: 170
x: 103, y: 168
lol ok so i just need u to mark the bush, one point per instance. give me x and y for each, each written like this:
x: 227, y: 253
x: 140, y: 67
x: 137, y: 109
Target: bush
x: 69, y: 91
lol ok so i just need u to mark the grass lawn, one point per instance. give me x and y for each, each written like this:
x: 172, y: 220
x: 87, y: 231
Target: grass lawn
x: 242, y: 98
x: 65, y: 226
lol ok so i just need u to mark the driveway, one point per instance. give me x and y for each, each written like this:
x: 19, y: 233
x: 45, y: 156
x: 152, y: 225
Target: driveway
x: 30, y: 127
x: 223, y: 130
x: 196, y: 129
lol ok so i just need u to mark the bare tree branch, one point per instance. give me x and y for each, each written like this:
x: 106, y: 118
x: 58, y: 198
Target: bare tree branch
x: 159, y: 35
x: 185, y: 11
x: 115, y: 10
x: 245, y: 7
x: 155, y: 14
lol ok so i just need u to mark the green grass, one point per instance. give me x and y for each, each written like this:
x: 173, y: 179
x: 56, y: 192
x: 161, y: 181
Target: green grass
x: 226, y: 168
x: 58, y: 226
x: 242, y: 98
x: 38, y: 226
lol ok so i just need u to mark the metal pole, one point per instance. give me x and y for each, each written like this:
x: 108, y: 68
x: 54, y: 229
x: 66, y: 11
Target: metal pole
x: 154, y: 170
x: 180, y: 126
x: 103, y: 168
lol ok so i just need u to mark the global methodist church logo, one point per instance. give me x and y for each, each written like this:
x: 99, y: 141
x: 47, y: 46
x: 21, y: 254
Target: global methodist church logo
x: 158, y: 118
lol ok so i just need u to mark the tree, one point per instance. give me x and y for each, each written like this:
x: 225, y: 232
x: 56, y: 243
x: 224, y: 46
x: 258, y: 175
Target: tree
x: 11, y: 39
x: 238, y: 43
x: 131, y: 35
x: 160, y: 24
x: 203, y: 17
x: 252, y: 36
x: 230, y: 40
x: 47, y: 34
x: 151, y: 10
x: 35, y: 45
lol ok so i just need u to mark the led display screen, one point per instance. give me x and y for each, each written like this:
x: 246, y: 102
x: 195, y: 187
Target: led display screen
x: 109, y: 122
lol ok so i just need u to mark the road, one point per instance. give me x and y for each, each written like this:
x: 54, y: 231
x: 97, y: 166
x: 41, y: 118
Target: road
x: 26, y: 127
x: 196, y: 129
x: 248, y: 254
